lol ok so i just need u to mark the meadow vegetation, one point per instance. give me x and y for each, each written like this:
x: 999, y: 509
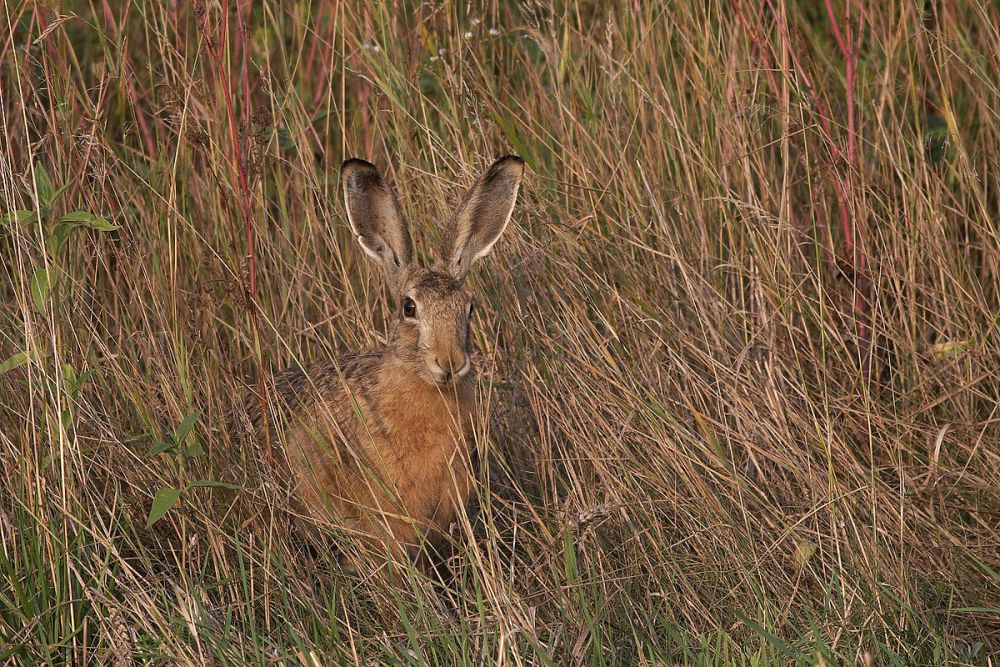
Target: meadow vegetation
x: 738, y: 349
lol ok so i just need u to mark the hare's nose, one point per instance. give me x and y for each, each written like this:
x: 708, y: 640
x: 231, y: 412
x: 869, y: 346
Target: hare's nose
x: 442, y: 372
x: 451, y: 366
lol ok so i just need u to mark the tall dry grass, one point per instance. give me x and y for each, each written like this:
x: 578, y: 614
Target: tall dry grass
x: 739, y: 346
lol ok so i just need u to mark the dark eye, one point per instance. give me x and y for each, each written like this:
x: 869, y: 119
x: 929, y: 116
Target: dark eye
x: 472, y: 308
x: 409, y: 308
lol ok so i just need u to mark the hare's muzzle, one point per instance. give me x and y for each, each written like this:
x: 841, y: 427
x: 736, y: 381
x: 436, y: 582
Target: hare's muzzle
x: 450, y: 366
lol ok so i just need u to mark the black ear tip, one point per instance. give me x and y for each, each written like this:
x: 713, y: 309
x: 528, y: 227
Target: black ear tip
x: 357, y: 163
x: 508, y: 164
x: 355, y: 173
x: 510, y: 160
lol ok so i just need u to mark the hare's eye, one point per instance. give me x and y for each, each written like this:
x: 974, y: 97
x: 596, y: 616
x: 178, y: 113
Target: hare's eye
x: 409, y: 308
x: 472, y: 308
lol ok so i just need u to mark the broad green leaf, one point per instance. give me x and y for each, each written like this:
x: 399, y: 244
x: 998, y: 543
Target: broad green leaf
x: 57, y: 194
x: 184, y: 428
x: 69, y: 374
x: 41, y: 285
x: 20, y: 217
x: 285, y: 140
x: 44, y: 185
x: 80, y: 380
x: 936, y: 139
x: 949, y: 348
x: 59, y: 235
x: 88, y: 220
x: 14, y: 361
x: 208, y: 483
x: 160, y: 447
x: 194, y: 450
x: 73, y: 381
x: 165, y: 499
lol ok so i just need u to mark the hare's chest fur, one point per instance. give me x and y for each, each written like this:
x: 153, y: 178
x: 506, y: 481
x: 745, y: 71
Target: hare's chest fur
x: 426, y: 450
x: 396, y: 458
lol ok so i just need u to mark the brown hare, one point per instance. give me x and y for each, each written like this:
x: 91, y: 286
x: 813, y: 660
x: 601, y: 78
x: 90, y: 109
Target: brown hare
x: 378, y: 440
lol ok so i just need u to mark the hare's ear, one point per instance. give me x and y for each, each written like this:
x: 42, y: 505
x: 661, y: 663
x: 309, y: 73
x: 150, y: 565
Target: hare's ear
x: 375, y: 219
x: 482, y: 216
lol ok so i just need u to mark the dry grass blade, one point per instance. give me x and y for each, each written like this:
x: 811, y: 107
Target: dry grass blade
x: 687, y: 457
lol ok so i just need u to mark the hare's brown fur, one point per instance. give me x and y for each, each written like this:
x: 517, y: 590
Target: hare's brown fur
x: 369, y: 440
x: 380, y: 439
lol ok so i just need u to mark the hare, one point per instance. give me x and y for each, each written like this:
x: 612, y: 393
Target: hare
x: 378, y: 440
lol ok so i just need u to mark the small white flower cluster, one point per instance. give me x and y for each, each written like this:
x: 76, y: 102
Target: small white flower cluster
x: 469, y: 33
x: 371, y: 46
x: 474, y: 22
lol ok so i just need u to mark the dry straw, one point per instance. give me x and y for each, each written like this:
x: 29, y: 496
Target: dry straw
x: 740, y: 342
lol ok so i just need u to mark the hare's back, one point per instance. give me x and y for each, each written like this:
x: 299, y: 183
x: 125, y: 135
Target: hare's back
x: 299, y: 392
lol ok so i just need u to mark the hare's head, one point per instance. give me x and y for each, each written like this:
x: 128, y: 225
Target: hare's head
x: 433, y: 309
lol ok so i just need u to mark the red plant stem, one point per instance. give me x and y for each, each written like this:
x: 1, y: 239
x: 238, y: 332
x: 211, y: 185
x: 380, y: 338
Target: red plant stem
x: 244, y: 163
x: 311, y: 58
x: 762, y: 54
x: 836, y: 28
x: 846, y: 51
x: 824, y: 121
x: 853, y: 248
x: 236, y: 160
x: 328, y: 42
x: 20, y: 103
x: 239, y: 160
x: 43, y: 24
x: 145, y: 129
x: 856, y: 257
x: 244, y: 170
x: 769, y: 68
